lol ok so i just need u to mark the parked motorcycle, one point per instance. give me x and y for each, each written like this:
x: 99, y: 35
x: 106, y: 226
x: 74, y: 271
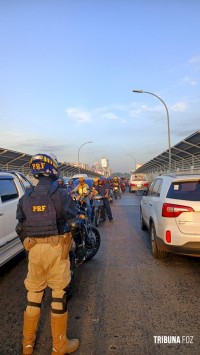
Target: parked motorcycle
x: 98, y: 210
x: 86, y: 241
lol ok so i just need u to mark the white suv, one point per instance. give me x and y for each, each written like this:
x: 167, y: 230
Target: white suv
x: 170, y: 210
x: 12, y: 187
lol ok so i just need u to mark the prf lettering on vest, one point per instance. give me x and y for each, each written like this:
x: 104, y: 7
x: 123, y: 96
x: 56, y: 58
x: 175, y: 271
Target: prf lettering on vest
x: 39, y: 208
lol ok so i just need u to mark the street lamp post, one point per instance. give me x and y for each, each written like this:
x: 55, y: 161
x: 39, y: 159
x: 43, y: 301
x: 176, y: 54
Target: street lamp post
x: 168, y: 125
x: 132, y: 156
x: 79, y: 152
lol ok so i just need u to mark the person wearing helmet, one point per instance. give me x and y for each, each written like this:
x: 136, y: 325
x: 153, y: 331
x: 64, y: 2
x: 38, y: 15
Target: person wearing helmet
x: 116, y: 181
x: 94, y: 186
x: 110, y: 195
x: 95, y: 181
x: 70, y: 186
x: 61, y: 183
x: 116, y: 184
x: 44, y: 214
x: 103, y: 190
x: 93, y: 193
x: 83, y: 190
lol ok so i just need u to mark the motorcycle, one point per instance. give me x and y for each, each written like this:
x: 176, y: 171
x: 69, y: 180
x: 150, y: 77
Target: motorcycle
x: 98, y: 210
x: 123, y: 187
x: 116, y: 192
x: 86, y: 241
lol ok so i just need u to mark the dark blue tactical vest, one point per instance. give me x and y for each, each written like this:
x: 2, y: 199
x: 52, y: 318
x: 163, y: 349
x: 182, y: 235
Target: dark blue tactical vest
x: 40, y: 213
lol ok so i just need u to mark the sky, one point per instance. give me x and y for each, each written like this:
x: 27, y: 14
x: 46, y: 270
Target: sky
x: 68, y: 68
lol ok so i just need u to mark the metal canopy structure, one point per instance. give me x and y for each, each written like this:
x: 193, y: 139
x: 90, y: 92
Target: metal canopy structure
x: 185, y: 156
x: 11, y: 160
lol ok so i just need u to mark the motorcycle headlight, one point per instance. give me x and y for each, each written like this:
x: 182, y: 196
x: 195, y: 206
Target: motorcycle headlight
x: 82, y: 216
x: 74, y: 226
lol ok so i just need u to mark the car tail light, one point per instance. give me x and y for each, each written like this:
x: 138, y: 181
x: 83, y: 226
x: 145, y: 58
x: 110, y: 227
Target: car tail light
x: 168, y: 236
x: 146, y: 184
x: 133, y: 184
x: 173, y: 211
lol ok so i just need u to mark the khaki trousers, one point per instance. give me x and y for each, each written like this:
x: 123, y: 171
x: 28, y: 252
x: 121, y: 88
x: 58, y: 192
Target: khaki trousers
x: 47, y: 268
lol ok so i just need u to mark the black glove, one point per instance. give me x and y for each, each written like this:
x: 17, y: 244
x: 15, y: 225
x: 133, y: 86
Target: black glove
x: 20, y: 231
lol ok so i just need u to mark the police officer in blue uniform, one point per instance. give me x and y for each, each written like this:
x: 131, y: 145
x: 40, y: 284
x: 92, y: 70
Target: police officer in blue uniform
x: 44, y: 214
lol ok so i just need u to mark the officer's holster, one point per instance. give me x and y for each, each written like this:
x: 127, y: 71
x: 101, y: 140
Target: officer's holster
x: 66, y: 242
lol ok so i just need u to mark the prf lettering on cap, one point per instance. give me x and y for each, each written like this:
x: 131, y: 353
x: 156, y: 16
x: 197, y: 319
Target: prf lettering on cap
x: 39, y: 208
x: 38, y: 166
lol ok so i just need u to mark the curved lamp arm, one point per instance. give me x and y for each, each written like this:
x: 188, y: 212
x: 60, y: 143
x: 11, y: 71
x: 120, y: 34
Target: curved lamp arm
x: 79, y: 152
x: 168, y: 125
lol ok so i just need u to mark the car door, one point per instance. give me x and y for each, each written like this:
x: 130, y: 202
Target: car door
x: 145, y: 203
x: 2, y: 222
x: 155, y: 203
x: 152, y: 201
x: 9, y: 197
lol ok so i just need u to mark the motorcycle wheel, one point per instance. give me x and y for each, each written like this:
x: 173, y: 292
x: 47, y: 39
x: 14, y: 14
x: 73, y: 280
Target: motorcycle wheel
x: 97, y: 217
x: 93, y: 249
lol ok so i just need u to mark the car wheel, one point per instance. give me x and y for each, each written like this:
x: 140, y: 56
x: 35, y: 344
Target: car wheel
x: 142, y: 224
x: 156, y: 251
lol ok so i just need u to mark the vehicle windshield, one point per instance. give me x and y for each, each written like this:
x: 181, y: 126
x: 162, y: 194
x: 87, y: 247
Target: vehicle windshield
x: 185, y: 190
x: 139, y: 179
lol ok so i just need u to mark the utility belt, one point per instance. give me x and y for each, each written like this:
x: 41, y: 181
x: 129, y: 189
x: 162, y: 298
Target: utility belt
x: 54, y: 239
x: 65, y: 240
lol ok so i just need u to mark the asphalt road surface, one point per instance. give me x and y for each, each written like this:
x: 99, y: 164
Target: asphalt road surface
x: 124, y: 299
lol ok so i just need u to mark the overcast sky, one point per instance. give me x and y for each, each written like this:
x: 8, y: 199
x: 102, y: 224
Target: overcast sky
x: 68, y: 68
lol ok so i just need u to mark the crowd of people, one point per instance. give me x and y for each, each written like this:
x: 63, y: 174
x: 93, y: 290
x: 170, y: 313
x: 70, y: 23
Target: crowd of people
x: 102, y: 186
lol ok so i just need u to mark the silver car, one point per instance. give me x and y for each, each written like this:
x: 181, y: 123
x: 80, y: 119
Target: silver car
x: 12, y: 187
